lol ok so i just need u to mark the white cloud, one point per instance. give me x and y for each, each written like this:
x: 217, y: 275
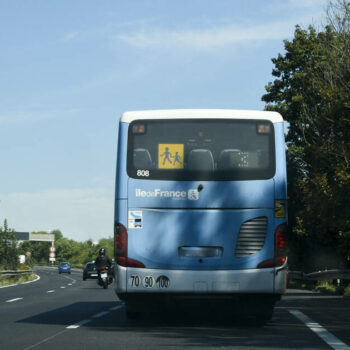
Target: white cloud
x: 80, y: 214
x: 73, y: 36
x: 210, y: 39
x: 205, y: 39
x: 213, y: 35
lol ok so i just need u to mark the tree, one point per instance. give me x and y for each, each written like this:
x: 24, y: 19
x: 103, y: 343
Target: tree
x: 77, y: 253
x: 58, y: 234
x: 8, y: 248
x: 39, y: 250
x: 312, y: 92
x: 108, y: 244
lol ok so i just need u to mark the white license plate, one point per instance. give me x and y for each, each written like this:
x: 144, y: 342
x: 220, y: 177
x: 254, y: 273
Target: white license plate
x: 94, y: 274
x: 104, y: 274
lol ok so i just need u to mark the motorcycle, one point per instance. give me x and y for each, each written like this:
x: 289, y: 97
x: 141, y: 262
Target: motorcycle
x: 104, y: 277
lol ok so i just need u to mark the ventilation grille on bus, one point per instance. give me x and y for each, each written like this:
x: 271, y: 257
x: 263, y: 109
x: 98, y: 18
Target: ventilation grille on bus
x: 251, y: 238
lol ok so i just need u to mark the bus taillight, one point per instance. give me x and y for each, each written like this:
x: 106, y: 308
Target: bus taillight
x: 280, y: 249
x: 121, y: 247
x: 120, y: 241
x: 281, y: 244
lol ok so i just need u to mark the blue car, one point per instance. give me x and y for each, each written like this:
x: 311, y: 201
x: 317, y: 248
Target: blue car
x: 64, y: 267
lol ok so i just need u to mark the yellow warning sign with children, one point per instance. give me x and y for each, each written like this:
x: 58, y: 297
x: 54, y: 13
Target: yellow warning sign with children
x: 170, y: 156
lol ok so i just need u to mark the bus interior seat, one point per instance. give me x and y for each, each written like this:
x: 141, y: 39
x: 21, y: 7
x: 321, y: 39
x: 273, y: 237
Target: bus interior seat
x: 142, y: 159
x: 229, y: 159
x: 200, y: 159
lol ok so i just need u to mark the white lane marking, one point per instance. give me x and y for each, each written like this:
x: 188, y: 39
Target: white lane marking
x: 45, y: 340
x: 12, y: 300
x: 18, y: 284
x: 50, y: 291
x: 73, y: 326
x: 116, y: 307
x: 77, y: 325
x: 326, y: 336
x: 69, y: 278
x: 100, y: 314
x: 69, y: 284
x: 63, y: 287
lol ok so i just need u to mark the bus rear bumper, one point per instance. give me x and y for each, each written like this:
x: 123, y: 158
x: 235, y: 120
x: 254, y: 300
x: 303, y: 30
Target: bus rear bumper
x: 220, y: 282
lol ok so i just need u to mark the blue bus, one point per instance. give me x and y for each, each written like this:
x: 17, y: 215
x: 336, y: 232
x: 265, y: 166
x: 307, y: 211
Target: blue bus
x: 201, y: 209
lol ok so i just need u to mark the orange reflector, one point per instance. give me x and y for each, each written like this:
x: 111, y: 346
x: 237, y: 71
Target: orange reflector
x: 280, y: 209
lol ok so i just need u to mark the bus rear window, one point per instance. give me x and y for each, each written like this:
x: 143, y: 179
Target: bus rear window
x: 206, y: 149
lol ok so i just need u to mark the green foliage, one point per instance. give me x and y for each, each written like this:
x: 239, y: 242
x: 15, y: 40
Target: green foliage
x: 312, y: 92
x: 58, y: 234
x: 326, y: 288
x: 347, y: 291
x: 77, y: 253
x: 24, y: 267
x: 299, y: 284
x: 108, y: 244
x: 39, y: 250
x: 8, y: 249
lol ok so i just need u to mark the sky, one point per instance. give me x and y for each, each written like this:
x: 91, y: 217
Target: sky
x: 69, y: 69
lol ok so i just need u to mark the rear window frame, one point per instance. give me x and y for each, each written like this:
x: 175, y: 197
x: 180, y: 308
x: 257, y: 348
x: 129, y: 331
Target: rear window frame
x: 188, y: 175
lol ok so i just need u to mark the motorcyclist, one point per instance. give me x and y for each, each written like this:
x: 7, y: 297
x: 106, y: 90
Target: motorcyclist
x: 102, y: 261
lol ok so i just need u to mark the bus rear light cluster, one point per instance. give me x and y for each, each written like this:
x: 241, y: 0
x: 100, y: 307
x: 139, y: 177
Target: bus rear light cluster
x: 120, y: 240
x: 121, y: 247
x: 281, y: 244
x: 280, y: 248
x: 127, y: 262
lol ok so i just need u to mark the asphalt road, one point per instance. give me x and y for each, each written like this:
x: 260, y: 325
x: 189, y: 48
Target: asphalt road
x: 65, y: 312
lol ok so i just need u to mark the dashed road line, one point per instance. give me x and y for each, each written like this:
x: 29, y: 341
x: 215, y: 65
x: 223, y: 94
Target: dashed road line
x: 116, y: 307
x: 45, y: 340
x: 78, y: 324
x: 50, y: 291
x: 63, y: 287
x: 12, y: 300
x: 69, y: 278
x: 325, y: 335
x: 100, y: 314
x: 74, y: 326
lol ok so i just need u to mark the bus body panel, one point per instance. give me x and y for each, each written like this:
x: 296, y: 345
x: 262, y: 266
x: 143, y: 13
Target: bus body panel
x: 196, y: 239
x: 133, y: 280
x: 214, y: 194
x: 280, y: 177
x: 122, y: 177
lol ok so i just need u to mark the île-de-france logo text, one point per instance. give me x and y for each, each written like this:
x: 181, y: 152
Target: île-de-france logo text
x: 191, y: 194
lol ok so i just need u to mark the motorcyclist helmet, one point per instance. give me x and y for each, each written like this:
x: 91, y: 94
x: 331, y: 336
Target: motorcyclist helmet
x: 102, y: 252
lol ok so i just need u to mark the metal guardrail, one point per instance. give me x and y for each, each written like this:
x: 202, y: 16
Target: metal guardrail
x: 15, y: 272
x: 320, y: 275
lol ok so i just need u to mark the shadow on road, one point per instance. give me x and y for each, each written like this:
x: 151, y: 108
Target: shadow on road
x: 70, y: 314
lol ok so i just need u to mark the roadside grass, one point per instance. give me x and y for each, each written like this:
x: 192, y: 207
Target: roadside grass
x: 324, y: 287
x: 16, y: 279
